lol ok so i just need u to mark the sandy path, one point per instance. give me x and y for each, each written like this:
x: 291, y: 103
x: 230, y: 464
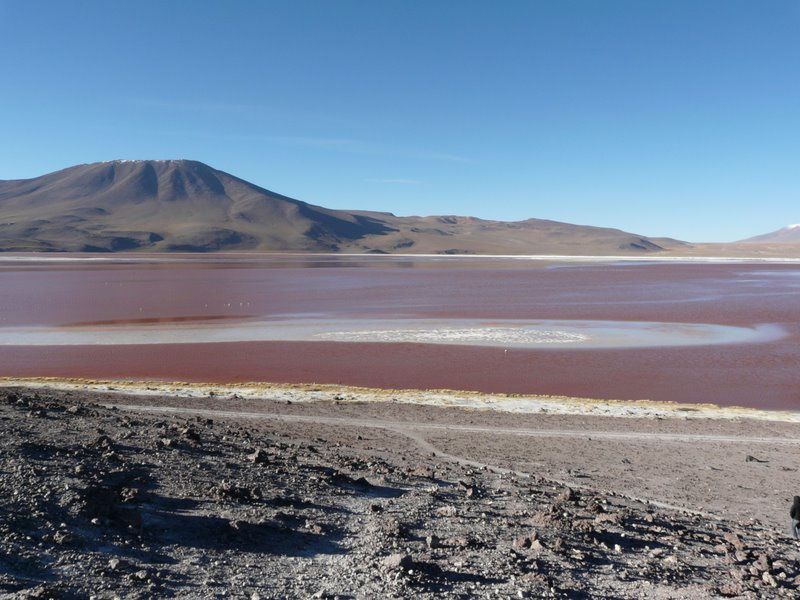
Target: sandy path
x: 405, y: 426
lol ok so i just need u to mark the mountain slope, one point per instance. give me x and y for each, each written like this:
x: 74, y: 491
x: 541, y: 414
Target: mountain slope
x: 182, y: 205
x: 163, y: 205
x: 787, y: 235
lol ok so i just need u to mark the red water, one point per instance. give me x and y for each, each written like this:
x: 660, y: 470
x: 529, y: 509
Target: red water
x: 759, y: 375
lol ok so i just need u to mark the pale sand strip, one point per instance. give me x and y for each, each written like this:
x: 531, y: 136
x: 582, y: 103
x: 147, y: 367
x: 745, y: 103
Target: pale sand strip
x: 528, y: 404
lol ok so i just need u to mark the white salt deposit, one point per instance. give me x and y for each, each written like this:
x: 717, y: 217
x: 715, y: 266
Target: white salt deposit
x: 503, y: 333
x: 490, y: 336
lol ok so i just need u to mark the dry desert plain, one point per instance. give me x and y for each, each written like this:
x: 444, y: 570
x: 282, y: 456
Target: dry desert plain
x: 141, y: 489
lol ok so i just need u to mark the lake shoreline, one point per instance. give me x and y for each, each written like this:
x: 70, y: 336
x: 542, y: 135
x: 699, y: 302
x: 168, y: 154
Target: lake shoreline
x: 309, y: 393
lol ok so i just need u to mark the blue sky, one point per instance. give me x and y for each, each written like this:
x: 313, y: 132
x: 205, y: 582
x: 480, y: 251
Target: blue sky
x: 664, y: 118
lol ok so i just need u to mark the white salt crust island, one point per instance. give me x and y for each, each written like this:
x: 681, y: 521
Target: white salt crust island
x: 504, y: 333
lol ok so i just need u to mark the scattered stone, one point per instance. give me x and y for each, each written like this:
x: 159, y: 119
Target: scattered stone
x: 524, y: 542
x: 63, y: 538
x: 259, y: 457
x: 191, y: 434
x: 767, y: 578
x: 566, y: 496
x: 614, y: 518
x: 104, y: 442
x: 128, y: 494
x: 671, y: 561
x: 731, y: 590
x: 398, y: 561
x: 229, y: 491
x: 762, y: 563
x: 206, y: 518
x: 423, y: 471
x: 734, y: 540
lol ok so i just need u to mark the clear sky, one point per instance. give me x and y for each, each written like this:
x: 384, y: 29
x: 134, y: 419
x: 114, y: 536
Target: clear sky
x: 677, y: 118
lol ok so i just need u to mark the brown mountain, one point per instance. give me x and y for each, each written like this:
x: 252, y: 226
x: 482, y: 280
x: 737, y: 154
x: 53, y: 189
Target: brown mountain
x: 183, y: 205
x: 787, y: 235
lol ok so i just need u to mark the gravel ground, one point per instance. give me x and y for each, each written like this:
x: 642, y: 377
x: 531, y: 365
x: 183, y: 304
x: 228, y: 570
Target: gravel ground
x: 115, y: 502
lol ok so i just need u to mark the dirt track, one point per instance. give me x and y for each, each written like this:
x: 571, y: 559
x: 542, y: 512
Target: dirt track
x: 418, y: 432
x: 401, y: 425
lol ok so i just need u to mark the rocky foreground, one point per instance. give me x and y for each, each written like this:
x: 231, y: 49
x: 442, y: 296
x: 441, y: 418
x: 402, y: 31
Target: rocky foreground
x: 99, y: 502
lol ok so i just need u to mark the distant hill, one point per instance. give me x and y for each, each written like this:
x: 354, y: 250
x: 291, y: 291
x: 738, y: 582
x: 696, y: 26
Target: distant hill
x: 187, y: 206
x: 787, y: 235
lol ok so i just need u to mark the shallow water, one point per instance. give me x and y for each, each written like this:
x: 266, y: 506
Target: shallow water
x: 719, y: 332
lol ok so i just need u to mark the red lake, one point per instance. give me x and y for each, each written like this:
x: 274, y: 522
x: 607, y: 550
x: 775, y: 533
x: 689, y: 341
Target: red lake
x: 721, y: 332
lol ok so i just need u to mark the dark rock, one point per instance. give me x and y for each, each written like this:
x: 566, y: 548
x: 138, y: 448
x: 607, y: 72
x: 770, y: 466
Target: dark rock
x: 190, y: 434
x: 63, y: 538
x: 523, y: 542
x: 566, y: 496
x: 128, y: 494
x: 229, y: 491
x: 258, y: 457
x: 104, y: 442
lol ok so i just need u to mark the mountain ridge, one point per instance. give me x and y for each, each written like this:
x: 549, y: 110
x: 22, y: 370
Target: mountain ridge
x: 785, y: 235
x: 183, y: 205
